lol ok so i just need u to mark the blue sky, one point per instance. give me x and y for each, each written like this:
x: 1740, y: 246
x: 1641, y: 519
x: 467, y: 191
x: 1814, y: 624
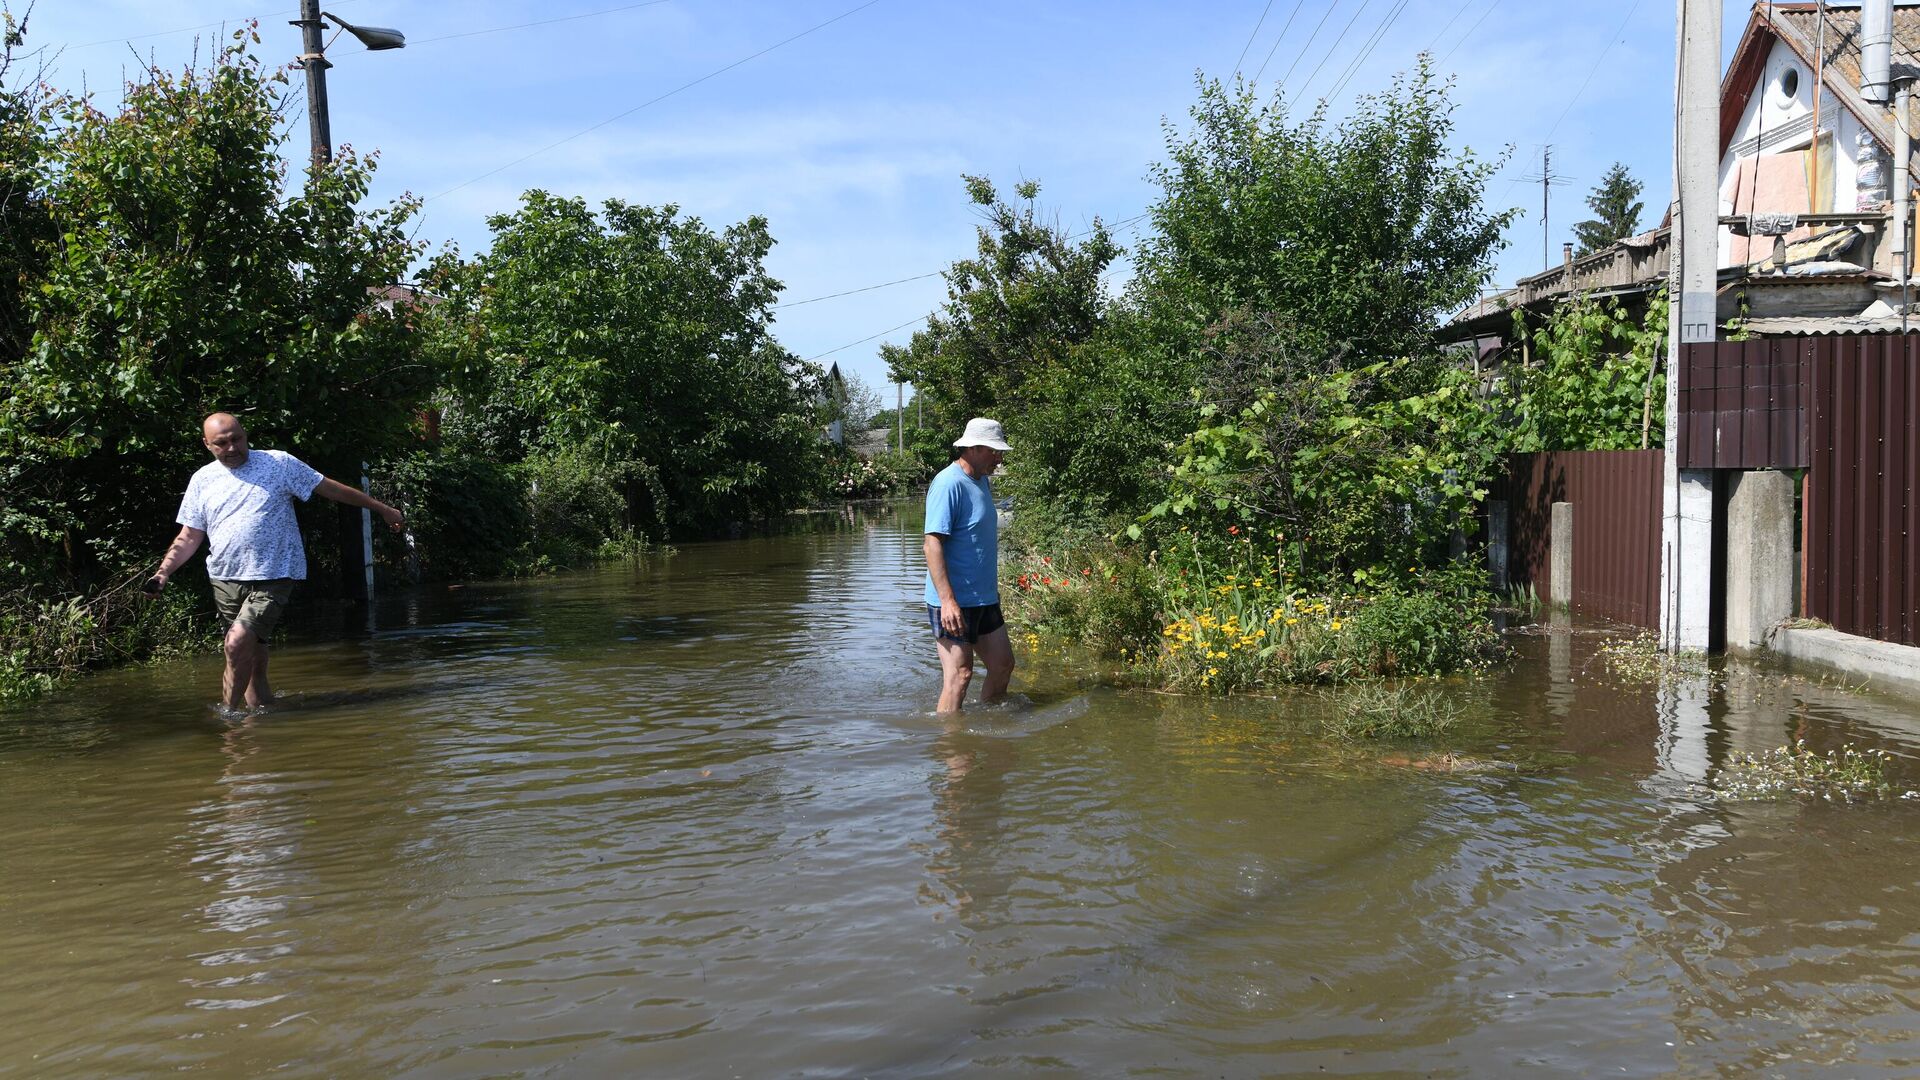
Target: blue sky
x: 852, y: 139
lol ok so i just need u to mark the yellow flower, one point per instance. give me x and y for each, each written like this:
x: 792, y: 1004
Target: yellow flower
x: 1212, y: 671
x: 1335, y: 625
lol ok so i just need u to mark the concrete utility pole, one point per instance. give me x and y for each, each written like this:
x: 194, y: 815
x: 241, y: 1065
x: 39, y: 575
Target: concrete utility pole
x: 313, y: 58
x: 1686, y: 504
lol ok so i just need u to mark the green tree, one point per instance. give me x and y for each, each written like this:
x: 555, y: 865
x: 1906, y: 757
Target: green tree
x: 1304, y: 269
x: 640, y: 338
x: 174, y: 274
x: 1616, y: 206
x: 1027, y: 297
x: 1361, y: 237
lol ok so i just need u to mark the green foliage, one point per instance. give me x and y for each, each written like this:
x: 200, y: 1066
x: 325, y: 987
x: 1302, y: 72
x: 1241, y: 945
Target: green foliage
x: 638, y: 332
x: 1594, y: 380
x: 1402, y: 712
x: 1360, y: 237
x: 1616, y: 206
x: 166, y: 271
x: 46, y: 642
x: 1364, y: 469
x: 466, y: 517
x: 1027, y: 298
x: 852, y: 477
x: 1217, y: 618
x: 1786, y: 772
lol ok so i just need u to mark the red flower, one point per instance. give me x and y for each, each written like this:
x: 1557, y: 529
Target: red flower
x: 1088, y: 571
x: 1233, y: 530
x: 1048, y: 559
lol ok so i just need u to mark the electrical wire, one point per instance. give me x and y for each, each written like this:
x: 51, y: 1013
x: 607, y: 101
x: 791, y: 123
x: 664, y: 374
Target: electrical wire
x: 653, y: 101
x: 541, y: 22
x: 1115, y: 227
x: 1461, y: 10
x: 190, y: 29
x: 864, y: 340
x: 1311, y: 38
x: 1366, y: 50
x: 1328, y: 55
x: 1256, y: 33
x: 1298, y: 4
x: 1469, y: 34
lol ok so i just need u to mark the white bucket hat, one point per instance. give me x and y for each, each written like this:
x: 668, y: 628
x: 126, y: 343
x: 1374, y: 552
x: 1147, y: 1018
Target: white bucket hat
x: 984, y: 432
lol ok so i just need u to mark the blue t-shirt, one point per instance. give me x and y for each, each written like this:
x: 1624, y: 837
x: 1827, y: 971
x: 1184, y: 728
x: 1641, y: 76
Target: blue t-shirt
x: 960, y: 509
x: 247, y: 514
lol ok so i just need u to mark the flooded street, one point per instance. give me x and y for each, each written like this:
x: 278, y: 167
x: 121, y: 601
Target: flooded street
x: 696, y: 819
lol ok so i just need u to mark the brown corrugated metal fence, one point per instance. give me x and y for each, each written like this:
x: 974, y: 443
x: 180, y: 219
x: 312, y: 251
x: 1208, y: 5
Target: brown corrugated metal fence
x: 1616, y: 527
x: 1863, y: 561
x: 1740, y: 404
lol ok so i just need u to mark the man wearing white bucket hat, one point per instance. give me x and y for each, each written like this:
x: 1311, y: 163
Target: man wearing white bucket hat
x: 963, y: 572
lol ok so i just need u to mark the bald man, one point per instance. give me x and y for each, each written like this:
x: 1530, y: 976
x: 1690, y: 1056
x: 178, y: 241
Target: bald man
x: 242, y: 502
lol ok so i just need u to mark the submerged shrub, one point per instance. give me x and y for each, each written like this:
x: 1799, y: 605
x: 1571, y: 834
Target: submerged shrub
x: 1784, y: 772
x: 1393, y: 712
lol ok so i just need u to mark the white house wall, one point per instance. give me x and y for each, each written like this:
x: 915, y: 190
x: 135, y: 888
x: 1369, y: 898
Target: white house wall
x: 1776, y: 123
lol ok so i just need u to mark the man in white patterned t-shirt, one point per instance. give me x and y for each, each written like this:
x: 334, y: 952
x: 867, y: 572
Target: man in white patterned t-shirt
x: 242, y: 503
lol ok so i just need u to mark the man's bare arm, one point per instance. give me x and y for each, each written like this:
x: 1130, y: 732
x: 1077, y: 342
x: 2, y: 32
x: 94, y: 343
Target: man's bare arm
x: 352, y: 496
x: 950, y: 618
x: 178, y: 553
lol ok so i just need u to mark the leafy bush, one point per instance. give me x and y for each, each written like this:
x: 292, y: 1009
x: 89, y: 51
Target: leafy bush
x: 1226, y: 617
x: 1403, y: 712
x: 466, y: 517
x: 1845, y: 775
x: 45, y: 641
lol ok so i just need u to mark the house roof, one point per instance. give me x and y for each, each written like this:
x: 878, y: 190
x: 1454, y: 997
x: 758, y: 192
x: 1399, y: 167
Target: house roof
x: 1838, y: 51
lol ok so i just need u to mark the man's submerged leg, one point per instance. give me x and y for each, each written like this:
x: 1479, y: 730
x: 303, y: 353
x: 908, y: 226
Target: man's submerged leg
x: 259, y: 691
x: 237, y: 682
x: 956, y: 670
x: 996, y: 652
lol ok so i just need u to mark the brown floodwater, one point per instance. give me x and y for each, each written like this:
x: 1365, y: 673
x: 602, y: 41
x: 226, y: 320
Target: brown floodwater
x: 696, y: 819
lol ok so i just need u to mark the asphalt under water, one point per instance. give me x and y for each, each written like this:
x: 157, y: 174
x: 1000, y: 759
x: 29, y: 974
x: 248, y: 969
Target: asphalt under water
x: 695, y: 818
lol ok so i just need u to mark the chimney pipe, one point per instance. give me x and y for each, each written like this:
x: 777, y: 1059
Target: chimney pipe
x: 1876, y: 51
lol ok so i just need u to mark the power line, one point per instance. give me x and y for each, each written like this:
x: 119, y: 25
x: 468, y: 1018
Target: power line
x: 541, y: 22
x: 1311, y: 38
x: 869, y: 337
x: 1591, y: 72
x: 1256, y: 33
x: 654, y: 101
x: 1116, y: 226
x: 1298, y: 4
x: 1366, y: 50
x: 190, y: 29
x: 864, y: 288
x: 1328, y: 55
x: 1461, y: 10
x: 1464, y: 37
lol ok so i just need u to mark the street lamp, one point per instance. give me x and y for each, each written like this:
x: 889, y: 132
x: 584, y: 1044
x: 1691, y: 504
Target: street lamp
x: 314, y: 58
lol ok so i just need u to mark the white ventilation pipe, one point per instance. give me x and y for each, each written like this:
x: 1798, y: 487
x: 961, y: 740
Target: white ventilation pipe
x: 1876, y: 51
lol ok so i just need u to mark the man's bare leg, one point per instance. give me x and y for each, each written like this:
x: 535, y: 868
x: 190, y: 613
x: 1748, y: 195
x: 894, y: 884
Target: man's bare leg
x: 996, y: 652
x: 956, y: 670
x: 259, y: 691
x: 238, y: 678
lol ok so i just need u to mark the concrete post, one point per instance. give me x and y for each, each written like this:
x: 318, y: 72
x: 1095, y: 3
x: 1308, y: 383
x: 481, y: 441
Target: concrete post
x: 1686, y: 510
x: 1759, y: 557
x: 1560, y: 558
x: 1498, y: 541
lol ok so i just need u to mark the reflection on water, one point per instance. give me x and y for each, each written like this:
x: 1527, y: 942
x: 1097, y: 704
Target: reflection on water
x: 697, y: 819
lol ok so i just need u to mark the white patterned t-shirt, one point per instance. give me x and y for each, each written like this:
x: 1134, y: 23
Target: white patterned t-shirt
x: 247, y: 514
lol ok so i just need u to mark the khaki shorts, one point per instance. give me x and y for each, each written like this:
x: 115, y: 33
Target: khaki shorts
x: 256, y: 605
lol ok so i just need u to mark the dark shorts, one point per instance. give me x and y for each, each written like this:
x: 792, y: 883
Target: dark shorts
x: 980, y: 621
x: 256, y: 605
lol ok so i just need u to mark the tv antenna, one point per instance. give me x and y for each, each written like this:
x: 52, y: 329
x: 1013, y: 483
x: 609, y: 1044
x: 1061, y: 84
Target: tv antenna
x: 1548, y: 180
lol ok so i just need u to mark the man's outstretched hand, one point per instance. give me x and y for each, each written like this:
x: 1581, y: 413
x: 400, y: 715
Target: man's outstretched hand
x: 153, y: 585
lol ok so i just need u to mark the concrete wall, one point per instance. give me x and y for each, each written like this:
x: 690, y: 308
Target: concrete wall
x: 1760, y: 561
